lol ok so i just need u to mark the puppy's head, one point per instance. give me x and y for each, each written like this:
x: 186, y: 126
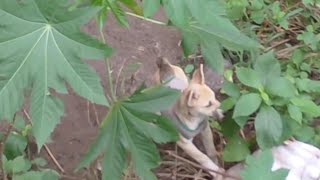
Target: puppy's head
x: 173, y: 74
x: 199, y: 98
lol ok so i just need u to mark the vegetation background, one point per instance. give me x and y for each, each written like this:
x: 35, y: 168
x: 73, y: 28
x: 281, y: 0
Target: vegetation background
x: 261, y: 58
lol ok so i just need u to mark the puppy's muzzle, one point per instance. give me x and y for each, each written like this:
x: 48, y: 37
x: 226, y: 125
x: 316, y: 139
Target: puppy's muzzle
x: 218, y: 115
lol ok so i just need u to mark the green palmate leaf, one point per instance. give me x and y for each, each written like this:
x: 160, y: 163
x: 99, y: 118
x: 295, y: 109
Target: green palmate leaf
x: 132, y: 5
x: 267, y: 67
x: 101, y: 18
x: 281, y: 87
x: 100, y: 143
x: 212, y: 55
x: 268, y: 125
x: 190, y: 42
x: 203, y: 10
x: 249, y: 77
x: 235, y: 150
x: 203, y: 22
x: 247, y: 105
x: 130, y: 127
x: 152, y: 99
x: 41, y: 45
x: 307, y: 106
x: 117, y: 12
x: 150, y: 7
x: 176, y: 11
x: 295, y: 113
x: 259, y: 168
x: 225, y: 33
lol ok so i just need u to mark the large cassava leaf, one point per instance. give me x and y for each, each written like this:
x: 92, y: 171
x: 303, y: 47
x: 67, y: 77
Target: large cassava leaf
x: 205, y: 21
x: 40, y: 47
x: 150, y: 7
x: 131, y: 126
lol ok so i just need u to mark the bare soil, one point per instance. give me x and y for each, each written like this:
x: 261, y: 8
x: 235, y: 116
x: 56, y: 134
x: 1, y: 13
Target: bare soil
x: 143, y: 42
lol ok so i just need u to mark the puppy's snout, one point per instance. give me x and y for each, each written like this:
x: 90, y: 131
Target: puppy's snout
x: 218, y: 115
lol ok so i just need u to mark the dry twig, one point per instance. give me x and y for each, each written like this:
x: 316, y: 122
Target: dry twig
x: 198, y: 166
x: 46, y: 147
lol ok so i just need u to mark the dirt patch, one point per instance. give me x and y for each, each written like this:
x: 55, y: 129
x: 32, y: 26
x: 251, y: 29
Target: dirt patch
x: 143, y: 42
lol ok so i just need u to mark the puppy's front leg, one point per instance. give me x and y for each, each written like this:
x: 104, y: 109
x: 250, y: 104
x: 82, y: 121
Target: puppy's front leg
x: 207, y: 141
x: 197, y: 155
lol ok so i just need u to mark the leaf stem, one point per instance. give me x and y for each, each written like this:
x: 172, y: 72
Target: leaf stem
x: 108, y: 69
x: 146, y: 19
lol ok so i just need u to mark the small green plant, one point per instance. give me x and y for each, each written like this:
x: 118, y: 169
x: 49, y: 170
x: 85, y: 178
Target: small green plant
x: 310, y: 38
x: 15, y: 164
x: 281, y: 106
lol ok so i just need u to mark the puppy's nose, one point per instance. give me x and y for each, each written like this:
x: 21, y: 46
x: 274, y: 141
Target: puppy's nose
x: 218, y: 115
x: 217, y: 104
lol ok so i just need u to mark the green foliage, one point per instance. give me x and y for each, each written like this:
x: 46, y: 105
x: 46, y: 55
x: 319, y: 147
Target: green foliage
x: 189, y: 68
x: 309, y: 38
x: 131, y: 126
x: 248, y: 77
x: 259, y: 168
x: 20, y: 169
x: 268, y: 126
x: 40, y: 47
x: 247, y: 104
x: 203, y: 23
x: 14, y: 161
x: 235, y: 150
x: 284, y: 104
x: 150, y: 7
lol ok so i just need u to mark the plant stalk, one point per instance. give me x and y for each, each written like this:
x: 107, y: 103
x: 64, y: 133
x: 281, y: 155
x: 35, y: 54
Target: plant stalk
x: 108, y: 69
x: 146, y: 19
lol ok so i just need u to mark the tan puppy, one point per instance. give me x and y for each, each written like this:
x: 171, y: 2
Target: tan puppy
x: 191, y: 111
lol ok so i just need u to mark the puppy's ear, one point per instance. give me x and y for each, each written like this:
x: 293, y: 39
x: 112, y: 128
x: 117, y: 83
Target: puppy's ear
x: 162, y: 62
x: 192, y: 95
x: 198, y: 76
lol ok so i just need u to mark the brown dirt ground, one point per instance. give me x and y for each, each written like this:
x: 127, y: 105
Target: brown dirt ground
x: 142, y: 42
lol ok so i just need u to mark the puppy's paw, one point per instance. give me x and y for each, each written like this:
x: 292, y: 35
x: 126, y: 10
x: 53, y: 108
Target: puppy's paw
x: 212, y: 166
x: 219, y: 176
x: 214, y: 158
x: 218, y: 114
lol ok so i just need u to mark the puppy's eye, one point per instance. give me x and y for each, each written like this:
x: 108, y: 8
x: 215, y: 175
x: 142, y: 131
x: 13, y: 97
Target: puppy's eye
x: 210, y: 104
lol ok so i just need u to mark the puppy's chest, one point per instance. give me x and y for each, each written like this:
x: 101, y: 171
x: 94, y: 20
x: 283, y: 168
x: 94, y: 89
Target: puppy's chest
x: 188, y: 131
